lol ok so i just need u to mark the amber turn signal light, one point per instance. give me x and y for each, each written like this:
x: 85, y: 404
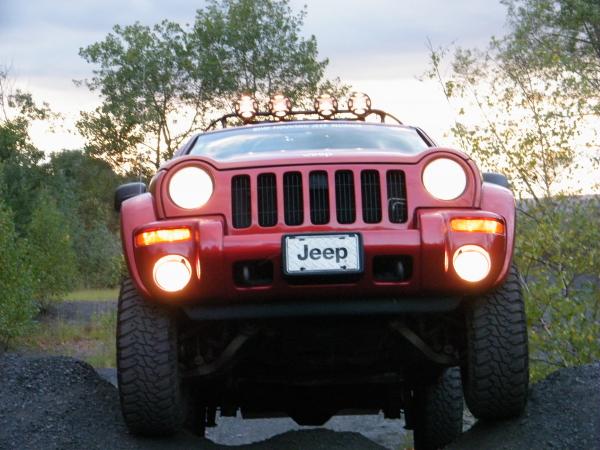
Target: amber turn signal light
x: 492, y: 226
x: 159, y: 236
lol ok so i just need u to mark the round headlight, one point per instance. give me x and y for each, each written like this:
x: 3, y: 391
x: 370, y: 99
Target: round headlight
x: 444, y: 178
x: 190, y: 187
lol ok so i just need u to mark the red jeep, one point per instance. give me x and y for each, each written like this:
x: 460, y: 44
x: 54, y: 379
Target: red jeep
x: 314, y: 262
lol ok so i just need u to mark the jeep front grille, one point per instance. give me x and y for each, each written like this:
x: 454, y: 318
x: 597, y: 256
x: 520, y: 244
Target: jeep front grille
x: 329, y: 196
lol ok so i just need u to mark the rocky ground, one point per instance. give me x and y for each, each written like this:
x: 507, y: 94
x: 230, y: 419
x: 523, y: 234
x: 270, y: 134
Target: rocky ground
x: 62, y: 403
x: 563, y: 412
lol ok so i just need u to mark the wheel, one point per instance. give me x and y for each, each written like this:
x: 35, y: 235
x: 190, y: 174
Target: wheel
x: 495, y: 371
x: 438, y: 412
x: 147, y: 366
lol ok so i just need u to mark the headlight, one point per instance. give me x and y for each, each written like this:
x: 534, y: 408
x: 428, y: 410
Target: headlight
x: 190, y: 187
x: 444, y: 178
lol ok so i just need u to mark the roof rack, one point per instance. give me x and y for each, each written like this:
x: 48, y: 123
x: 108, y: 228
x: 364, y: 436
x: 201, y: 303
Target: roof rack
x: 359, y: 109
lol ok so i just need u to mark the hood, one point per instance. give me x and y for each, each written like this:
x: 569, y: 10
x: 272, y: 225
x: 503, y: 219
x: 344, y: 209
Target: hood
x: 312, y: 157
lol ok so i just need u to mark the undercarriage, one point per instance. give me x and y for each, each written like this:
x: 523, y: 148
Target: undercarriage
x: 313, y: 368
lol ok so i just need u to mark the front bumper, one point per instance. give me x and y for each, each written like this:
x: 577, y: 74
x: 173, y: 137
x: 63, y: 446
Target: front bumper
x: 213, y: 254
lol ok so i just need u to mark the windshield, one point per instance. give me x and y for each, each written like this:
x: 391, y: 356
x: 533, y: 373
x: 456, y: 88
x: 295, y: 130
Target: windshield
x: 314, y: 136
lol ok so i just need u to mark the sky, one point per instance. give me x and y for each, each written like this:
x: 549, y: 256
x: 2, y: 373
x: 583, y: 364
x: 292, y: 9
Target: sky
x: 377, y: 46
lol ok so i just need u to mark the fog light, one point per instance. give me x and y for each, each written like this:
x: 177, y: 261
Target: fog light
x: 172, y: 273
x: 472, y: 263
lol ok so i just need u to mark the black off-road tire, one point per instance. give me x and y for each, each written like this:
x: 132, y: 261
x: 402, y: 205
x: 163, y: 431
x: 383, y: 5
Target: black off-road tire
x: 147, y: 366
x: 495, y: 369
x: 438, y: 418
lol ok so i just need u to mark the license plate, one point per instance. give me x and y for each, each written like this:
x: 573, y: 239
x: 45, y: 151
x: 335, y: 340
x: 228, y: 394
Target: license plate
x: 315, y: 254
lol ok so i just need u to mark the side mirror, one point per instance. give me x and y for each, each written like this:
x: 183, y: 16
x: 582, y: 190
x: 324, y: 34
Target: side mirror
x: 496, y: 178
x: 126, y: 191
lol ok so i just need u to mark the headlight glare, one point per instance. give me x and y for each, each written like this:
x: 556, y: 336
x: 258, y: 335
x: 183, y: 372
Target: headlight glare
x: 445, y: 179
x: 190, y: 187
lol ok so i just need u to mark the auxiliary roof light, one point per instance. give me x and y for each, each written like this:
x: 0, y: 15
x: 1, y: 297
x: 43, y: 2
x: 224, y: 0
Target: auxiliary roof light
x: 280, y: 106
x: 359, y: 103
x: 326, y: 105
x: 246, y: 107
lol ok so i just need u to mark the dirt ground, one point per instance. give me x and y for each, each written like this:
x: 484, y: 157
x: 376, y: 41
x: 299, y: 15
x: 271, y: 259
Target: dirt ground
x: 63, y: 403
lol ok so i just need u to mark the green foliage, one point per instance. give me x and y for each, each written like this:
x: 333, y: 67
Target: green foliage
x: 521, y: 110
x: 559, y: 37
x: 51, y: 253
x: 18, y: 157
x: 254, y: 46
x: 99, y: 257
x: 160, y: 84
x: 16, y: 305
x: 559, y: 258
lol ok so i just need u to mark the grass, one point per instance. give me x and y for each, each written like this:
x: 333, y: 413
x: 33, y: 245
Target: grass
x: 87, y: 295
x: 93, y: 342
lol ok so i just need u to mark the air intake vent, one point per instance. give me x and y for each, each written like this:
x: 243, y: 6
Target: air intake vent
x: 319, y: 198
x: 240, y: 201
x: 371, y: 196
x: 396, y: 192
x: 293, y: 199
x: 267, y: 200
x: 344, y: 196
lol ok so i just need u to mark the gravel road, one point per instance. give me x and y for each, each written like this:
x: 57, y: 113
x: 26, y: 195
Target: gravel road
x: 563, y: 412
x: 62, y: 403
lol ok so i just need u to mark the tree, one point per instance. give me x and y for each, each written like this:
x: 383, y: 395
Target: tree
x: 163, y: 83
x: 256, y: 47
x: 143, y: 82
x: 16, y: 306
x: 559, y: 37
x: 84, y: 187
x: 526, y: 120
x: 50, y: 253
x: 18, y: 156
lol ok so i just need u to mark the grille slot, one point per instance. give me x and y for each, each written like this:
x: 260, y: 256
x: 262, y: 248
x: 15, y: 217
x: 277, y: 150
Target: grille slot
x: 267, y: 200
x: 292, y: 198
x: 240, y: 201
x: 344, y: 196
x: 396, y: 196
x: 319, y: 197
x: 371, y: 196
